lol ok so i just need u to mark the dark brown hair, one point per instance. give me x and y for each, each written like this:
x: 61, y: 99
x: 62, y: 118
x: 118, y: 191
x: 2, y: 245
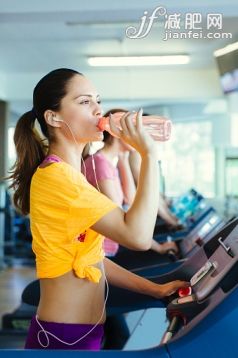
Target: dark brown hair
x: 30, y: 148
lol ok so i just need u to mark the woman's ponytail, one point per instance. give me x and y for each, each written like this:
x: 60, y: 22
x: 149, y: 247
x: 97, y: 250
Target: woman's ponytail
x: 31, y: 152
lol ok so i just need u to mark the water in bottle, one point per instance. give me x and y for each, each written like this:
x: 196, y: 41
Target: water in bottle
x: 157, y: 126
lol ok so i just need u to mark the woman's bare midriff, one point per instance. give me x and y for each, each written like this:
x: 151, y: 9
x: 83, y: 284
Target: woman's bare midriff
x: 69, y: 299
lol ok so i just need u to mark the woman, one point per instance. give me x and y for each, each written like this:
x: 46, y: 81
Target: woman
x: 68, y: 215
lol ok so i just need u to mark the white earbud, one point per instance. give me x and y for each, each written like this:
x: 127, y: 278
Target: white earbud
x: 57, y: 120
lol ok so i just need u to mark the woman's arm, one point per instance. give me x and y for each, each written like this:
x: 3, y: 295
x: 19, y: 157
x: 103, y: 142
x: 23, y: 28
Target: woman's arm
x: 135, y: 163
x: 120, y: 277
x: 126, y: 178
x: 107, y: 187
x: 163, y: 210
x: 134, y: 229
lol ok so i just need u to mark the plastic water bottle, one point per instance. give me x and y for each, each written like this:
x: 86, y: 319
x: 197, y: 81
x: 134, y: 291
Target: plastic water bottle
x: 158, y: 127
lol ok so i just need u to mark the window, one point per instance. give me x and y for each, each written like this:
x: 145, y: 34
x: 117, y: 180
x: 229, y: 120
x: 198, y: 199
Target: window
x: 188, y: 159
x: 11, y: 147
x: 231, y: 176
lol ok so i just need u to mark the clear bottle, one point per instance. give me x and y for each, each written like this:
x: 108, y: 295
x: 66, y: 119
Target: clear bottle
x: 157, y: 126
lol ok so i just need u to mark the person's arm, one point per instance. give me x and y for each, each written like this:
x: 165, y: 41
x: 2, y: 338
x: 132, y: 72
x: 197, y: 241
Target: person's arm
x: 107, y: 187
x: 164, y: 212
x: 134, y: 229
x: 120, y: 277
x: 167, y: 216
x: 135, y: 163
x: 126, y: 178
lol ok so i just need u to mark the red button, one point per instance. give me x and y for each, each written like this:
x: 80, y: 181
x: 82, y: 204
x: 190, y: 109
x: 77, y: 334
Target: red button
x: 185, y: 291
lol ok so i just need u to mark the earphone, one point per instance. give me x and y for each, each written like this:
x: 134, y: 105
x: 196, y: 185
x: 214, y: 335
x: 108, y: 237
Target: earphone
x: 57, y: 120
x: 45, y: 332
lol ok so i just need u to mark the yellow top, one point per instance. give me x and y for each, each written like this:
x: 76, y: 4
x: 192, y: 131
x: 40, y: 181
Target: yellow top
x: 63, y: 207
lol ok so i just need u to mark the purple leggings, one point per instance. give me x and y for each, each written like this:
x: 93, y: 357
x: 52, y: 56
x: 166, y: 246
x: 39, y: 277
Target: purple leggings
x: 68, y: 332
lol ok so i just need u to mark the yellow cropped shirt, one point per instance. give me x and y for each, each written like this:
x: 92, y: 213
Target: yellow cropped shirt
x: 63, y: 207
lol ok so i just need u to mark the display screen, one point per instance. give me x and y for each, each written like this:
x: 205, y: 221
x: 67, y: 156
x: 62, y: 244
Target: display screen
x: 229, y: 81
x: 228, y: 69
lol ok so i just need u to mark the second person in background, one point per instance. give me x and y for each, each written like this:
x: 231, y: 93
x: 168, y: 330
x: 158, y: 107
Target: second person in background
x: 115, y: 177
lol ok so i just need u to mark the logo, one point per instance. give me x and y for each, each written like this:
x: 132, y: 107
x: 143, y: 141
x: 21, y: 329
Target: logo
x: 179, y: 26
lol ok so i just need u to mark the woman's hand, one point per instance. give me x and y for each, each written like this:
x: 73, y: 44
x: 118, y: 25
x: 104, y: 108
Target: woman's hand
x: 120, y: 277
x: 169, y: 288
x: 134, y: 134
x: 165, y: 247
x: 126, y: 178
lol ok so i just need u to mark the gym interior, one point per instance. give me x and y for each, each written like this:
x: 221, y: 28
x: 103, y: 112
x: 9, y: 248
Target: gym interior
x: 175, y: 60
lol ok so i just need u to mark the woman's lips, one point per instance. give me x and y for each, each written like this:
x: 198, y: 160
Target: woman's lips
x: 101, y: 123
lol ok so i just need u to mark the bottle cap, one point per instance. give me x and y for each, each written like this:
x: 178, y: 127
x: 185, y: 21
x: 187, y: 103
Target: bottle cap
x: 103, y: 121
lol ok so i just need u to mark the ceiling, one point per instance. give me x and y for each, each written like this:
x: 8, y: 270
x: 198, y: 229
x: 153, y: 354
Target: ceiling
x: 37, y: 37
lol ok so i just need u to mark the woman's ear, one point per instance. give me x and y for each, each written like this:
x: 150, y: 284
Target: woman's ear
x: 51, y: 119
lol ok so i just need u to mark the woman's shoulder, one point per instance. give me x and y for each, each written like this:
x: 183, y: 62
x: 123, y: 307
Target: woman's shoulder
x: 60, y: 173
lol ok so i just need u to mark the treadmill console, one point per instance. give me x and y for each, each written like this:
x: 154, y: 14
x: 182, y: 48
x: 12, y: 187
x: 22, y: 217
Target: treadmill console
x: 209, y: 267
x: 215, y: 277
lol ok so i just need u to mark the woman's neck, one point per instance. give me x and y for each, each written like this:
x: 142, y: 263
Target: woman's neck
x: 68, y: 154
x: 110, y: 152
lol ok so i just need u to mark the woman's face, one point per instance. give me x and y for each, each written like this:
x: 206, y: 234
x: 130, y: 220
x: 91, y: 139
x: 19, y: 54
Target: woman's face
x: 81, y: 110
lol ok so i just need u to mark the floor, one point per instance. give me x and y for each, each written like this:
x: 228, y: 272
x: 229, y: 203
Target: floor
x: 12, y: 282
